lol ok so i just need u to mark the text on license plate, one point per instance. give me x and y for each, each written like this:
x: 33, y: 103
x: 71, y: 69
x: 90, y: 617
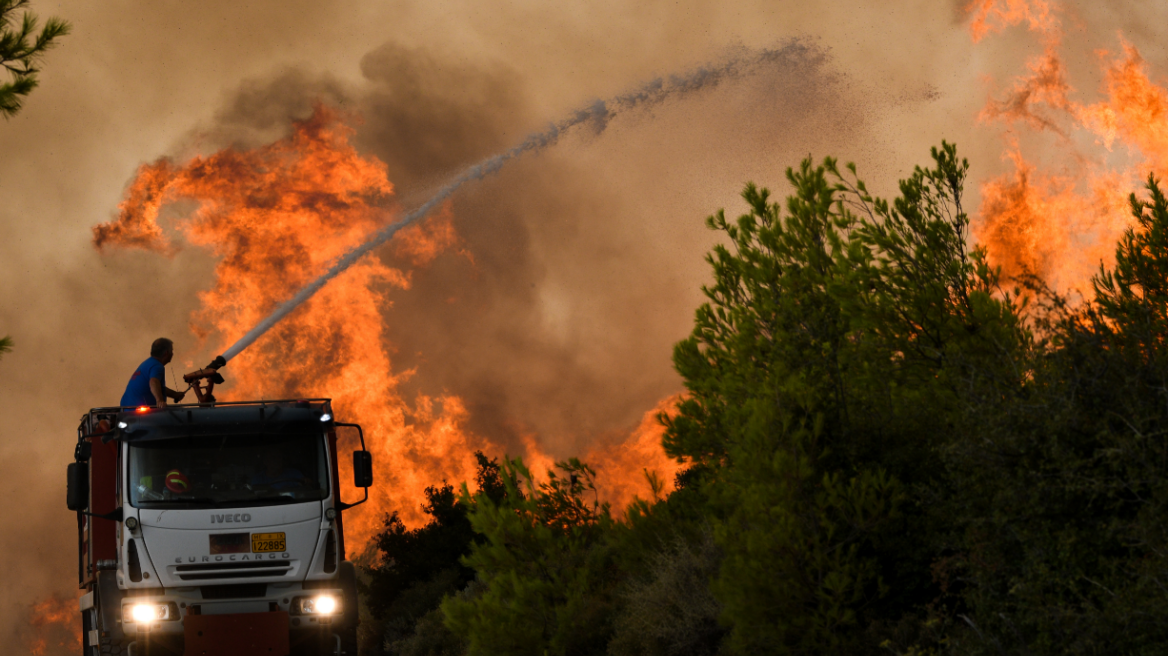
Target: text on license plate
x: 265, y: 542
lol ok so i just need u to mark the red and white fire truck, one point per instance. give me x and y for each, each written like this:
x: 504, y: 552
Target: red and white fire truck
x: 215, y: 529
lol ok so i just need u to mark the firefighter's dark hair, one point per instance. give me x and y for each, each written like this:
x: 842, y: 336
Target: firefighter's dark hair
x: 160, y: 346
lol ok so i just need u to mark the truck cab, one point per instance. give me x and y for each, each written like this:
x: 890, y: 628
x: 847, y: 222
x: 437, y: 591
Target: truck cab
x: 215, y: 529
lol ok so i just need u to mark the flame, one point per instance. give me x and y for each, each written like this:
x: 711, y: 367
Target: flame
x: 1136, y: 109
x: 617, y: 464
x: 989, y: 16
x: 53, y: 622
x: 1062, y: 225
x: 1043, y: 224
x: 276, y: 217
x: 137, y: 223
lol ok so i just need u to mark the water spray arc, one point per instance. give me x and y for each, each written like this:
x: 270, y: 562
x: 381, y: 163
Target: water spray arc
x: 597, y: 115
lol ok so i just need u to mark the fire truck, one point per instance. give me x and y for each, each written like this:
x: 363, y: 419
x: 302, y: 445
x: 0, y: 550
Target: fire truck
x: 215, y: 529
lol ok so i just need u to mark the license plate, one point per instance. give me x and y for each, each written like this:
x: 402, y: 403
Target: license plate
x: 267, y: 542
x: 229, y: 543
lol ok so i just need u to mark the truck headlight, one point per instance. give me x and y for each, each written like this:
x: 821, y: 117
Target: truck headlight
x: 148, y: 612
x: 321, y: 605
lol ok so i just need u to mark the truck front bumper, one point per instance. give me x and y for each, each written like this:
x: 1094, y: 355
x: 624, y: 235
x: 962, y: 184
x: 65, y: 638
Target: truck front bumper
x: 236, y: 635
x: 276, y: 622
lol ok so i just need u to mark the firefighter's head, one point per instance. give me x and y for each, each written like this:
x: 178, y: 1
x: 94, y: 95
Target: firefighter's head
x: 162, y: 350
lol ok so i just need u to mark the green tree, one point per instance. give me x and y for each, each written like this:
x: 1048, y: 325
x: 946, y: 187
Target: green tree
x: 21, y: 49
x: 542, y: 569
x: 826, y: 332
x: 5, y: 345
x: 419, y: 567
x: 1057, y: 494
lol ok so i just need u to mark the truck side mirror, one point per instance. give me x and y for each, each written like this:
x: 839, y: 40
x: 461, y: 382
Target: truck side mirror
x: 362, y: 469
x: 77, y: 489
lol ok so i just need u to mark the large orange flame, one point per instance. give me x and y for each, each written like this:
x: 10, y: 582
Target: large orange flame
x: 276, y: 217
x: 1062, y: 225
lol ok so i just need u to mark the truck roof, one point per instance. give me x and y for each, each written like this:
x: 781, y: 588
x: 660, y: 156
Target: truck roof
x: 218, y: 420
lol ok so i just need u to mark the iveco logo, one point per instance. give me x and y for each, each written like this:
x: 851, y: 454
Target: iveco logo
x: 230, y: 519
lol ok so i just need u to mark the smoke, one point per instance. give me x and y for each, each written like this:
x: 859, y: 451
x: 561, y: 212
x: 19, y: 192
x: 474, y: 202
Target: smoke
x: 795, y: 54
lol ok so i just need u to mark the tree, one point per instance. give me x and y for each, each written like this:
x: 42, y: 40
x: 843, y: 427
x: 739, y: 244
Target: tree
x: 419, y: 567
x: 21, y: 49
x: 1057, y: 495
x: 826, y: 332
x: 542, y: 569
x: 5, y: 345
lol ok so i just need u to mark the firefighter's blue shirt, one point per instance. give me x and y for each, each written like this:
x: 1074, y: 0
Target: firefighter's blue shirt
x: 138, y: 389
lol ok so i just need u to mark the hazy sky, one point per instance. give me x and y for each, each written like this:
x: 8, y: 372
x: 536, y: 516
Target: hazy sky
x: 588, y: 258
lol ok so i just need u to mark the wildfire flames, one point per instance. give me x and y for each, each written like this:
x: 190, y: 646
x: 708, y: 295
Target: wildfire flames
x: 1062, y: 225
x: 275, y: 217
x: 53, y: 623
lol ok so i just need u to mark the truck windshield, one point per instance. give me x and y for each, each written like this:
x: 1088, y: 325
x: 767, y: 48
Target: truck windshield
x: 223, y: 472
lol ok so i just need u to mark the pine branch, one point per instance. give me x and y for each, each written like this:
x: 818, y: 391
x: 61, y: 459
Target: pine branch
x: 10, y: 94
x: 20, y: 52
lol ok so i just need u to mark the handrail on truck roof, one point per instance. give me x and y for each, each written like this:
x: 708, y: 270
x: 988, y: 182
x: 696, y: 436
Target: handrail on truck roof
x: 90, y: 420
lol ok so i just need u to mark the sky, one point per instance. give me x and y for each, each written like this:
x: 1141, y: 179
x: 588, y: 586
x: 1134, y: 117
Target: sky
x: 576, y: 269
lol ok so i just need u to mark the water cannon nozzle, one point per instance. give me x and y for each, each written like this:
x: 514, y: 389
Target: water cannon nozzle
x: 205, y: 379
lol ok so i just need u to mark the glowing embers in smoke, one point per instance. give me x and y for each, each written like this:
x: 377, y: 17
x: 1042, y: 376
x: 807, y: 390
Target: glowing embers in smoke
x: 52, y: 625
x: 1061, y: 226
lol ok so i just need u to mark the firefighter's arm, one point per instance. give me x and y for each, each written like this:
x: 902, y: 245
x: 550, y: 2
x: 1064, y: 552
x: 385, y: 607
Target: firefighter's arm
x: 158, y: 390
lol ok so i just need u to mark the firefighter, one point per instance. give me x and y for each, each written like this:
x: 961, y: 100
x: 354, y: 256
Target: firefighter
x: 147, y: 385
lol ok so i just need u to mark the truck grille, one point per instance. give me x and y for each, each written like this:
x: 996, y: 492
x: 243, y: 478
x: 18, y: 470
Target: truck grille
x: 207, y: 571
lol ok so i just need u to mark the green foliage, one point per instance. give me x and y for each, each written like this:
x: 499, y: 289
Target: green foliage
x: 826, y: 331
x: 428, y: 637
x: 1132, y: 299
x: 5, y: 345
x: 541, y: 568
x: 418, y: 567
x: 21, y: 48
x: 1059, y: 495
x: 666, y: 606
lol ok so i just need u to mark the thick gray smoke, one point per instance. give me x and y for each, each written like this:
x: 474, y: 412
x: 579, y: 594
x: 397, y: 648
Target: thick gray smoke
x: 596, y: 115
